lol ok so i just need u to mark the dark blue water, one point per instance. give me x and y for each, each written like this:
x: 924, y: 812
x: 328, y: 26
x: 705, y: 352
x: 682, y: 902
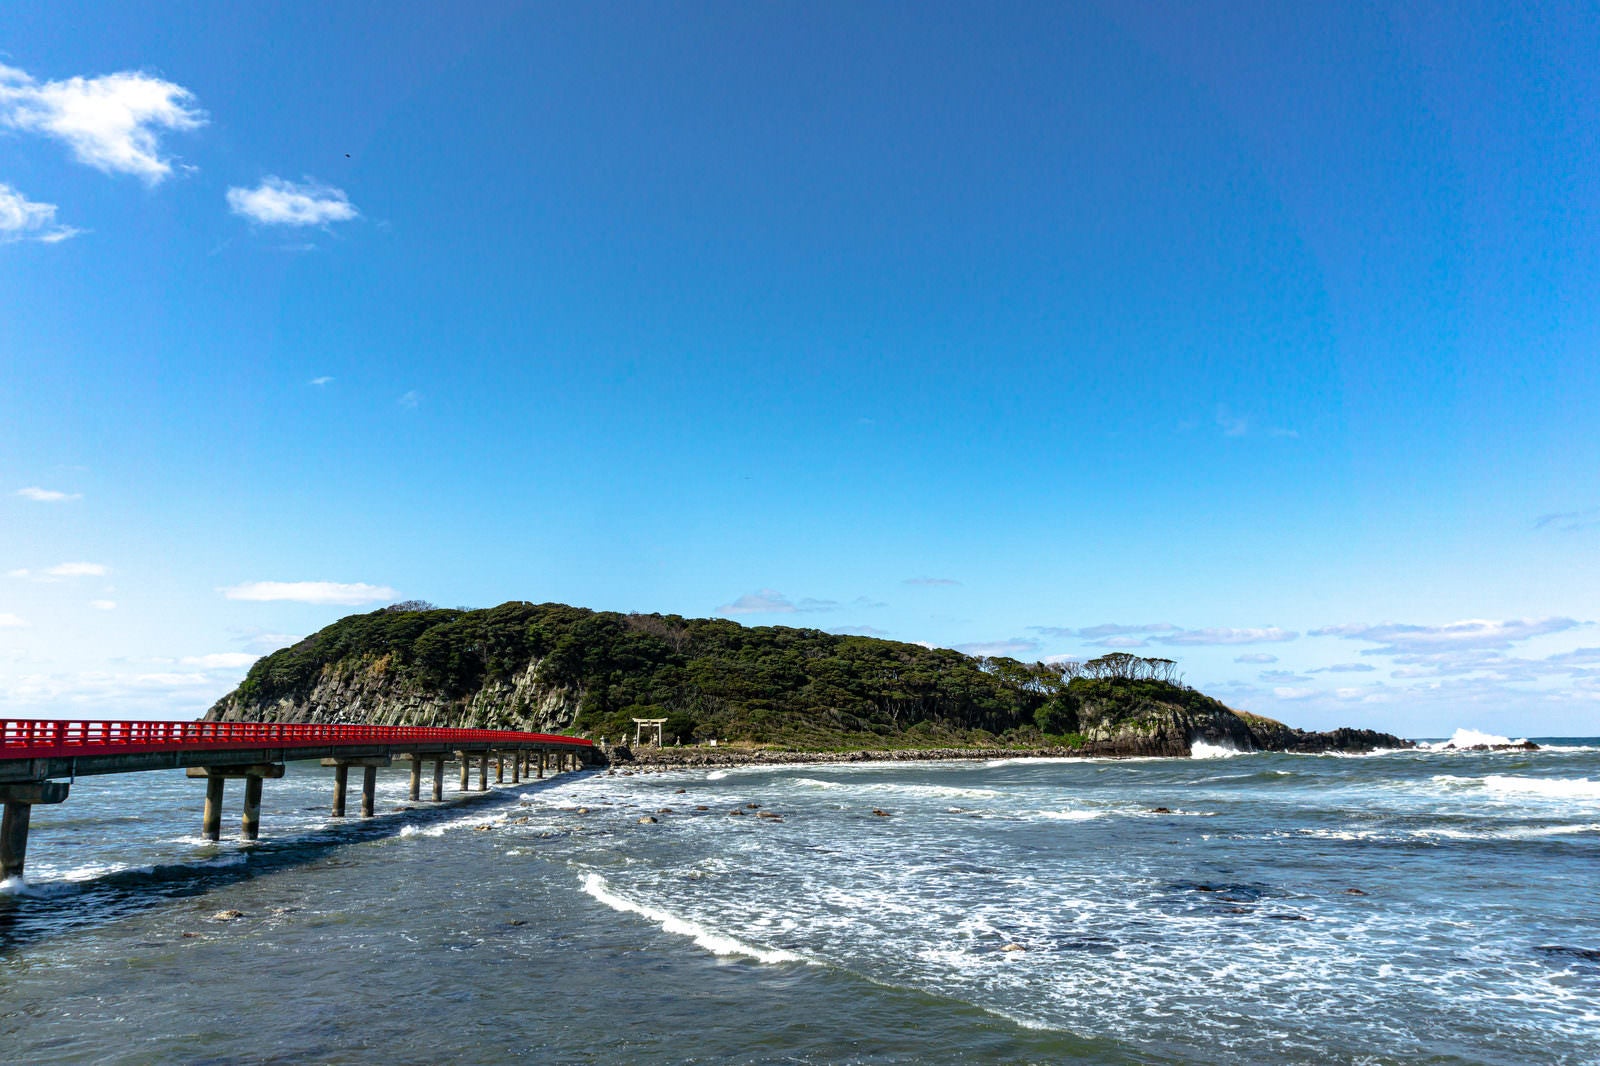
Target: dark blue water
x: 1403, y: 907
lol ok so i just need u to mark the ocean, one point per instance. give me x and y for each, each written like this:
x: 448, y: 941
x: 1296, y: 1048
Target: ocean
x: 1402, y: 907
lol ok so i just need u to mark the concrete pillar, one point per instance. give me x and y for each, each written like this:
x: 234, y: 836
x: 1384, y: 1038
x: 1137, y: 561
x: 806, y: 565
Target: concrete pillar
x: 483, y: 772
x: 14, y: 839
x: 250, y: 824
x: 438, y: 780
x: 542, y: 756
x: 466, y: 769
x: 341, y: 778
x: 416, y: 778
x: 516, y: 767
x: 499, y: 768
x: 369, y: 788
x: 211, y: 824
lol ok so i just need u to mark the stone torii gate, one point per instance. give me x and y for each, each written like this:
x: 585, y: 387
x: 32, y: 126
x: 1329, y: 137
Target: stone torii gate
x: 642, y: 726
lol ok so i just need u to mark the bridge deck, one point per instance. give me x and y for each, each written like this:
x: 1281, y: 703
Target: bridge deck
x: 33, y: 750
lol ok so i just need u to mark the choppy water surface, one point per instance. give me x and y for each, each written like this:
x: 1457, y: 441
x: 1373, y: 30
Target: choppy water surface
x: 1406, y: 907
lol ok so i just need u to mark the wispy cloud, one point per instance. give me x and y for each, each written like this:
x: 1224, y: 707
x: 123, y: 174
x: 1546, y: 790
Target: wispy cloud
x: 103, y: 605
x: 1256, y: 657
x: 1396, y: 638
x: 930, y: 581
x: 1345, y: 668
x: 277, y: 202
x: 39, y: 495
x: 226, y: 660
x: 320, y: 381
x: 78, y: 570
x: 266, y: 643
x: 1235, y: 425
x: 771, y: 601
x: 410, y: 401
x: 111, y: 122
x: 11, y: 621
x: 1569, y: 521
x: 315, y: 592
x: 1113, y: 635
x: 22, y: 219
x: 1009, y: 648
x: 1224, y: 635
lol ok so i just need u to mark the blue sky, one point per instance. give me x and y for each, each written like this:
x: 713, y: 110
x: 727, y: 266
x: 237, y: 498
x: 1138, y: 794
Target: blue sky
x: 1261, y: 338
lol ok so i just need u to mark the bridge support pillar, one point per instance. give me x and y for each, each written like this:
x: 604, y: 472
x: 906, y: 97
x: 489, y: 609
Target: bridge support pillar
x: 466, y: 769
x: 438, y: 780
x: 341, y: 778
x: 250, y: 823
x: 499, y: 767
x: 416, y: 778
x: 341, y: 781
x: 542, y: 757
x: 211, y: 823
x: 19, y: 801
x: 516, y: 767
x: 14, y: 839
x: 483, y: 772
x: 215, y: 776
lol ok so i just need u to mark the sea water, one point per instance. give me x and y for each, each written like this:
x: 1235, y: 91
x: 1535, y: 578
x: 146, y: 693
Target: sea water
x: 1421, y: 906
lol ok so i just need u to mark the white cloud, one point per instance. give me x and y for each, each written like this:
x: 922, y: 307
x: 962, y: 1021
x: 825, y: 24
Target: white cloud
x: 22, y: 219
x: 1399, y: 639
x: 38, y: 495
x: 266, y: 643
x: 1288, y: 693
x: 111, y: 122
x: 276, y: 202
x: 1010, y: 648
x: 771, y: 601
x: 11, y: 621
x: 78, y: 570
x: 103, y: 605
x: 410, y: 401
x: 1223, y: 635
x: 320, y: 381
x: 318, y: 592
x: 225, y: 660
x: 1256, y: 657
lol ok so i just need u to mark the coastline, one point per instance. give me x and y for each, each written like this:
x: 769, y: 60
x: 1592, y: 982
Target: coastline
x: 623, y: 760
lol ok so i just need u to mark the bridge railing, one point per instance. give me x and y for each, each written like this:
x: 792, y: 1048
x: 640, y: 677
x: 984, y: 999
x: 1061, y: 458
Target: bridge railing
x: 26, y: 738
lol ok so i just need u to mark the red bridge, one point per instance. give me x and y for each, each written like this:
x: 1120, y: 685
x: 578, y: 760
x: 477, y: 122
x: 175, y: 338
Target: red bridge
x: 35, y: 755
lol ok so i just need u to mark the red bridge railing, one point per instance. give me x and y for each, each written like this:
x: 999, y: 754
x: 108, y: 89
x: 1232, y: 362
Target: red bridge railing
x: 24, y: 738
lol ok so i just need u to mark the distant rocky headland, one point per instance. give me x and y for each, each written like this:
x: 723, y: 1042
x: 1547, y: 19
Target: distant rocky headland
x: 763, y: 689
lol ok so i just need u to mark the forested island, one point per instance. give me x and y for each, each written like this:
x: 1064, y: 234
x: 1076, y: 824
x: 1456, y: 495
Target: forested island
x: 553, y: 668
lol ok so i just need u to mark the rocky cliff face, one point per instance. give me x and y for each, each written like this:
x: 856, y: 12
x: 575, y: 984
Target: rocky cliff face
x: 368, y: 692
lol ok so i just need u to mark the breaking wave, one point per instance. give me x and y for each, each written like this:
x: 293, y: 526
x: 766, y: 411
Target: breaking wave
x: 714, y: 942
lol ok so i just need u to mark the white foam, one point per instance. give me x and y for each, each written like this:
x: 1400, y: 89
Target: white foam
x: 1071, y: 816
x: 716, y: 775
x: 1580, y: 788
x: 16, y: 885
x: 716, y: 943
x: 1202, y: 749
x: 1468, y: 738
x: 936, y: 791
